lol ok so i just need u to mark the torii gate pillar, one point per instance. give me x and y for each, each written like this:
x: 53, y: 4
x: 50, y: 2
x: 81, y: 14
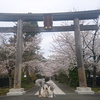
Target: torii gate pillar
x: 17, y: 90
x: 82, y: 89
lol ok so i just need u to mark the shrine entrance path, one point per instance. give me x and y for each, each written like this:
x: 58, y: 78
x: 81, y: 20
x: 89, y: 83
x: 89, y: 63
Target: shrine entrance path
x: 62, y: 92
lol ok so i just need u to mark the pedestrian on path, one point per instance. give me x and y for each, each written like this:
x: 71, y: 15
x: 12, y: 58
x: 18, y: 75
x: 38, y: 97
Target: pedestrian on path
x: 51, y: 87
x: 40, y: 83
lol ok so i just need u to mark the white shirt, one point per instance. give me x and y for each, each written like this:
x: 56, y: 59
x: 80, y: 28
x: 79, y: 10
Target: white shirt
x: 40, y: 82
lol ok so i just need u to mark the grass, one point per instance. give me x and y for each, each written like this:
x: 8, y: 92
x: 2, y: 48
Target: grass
x: 3, y: 91
x: 97, y: 89
x: 27, y: 86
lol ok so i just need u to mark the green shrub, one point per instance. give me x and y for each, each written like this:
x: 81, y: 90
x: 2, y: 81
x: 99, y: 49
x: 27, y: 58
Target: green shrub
x: 23, y: 79
x: 62, y: 77
x: 33, y: 76
x: 27, y: 86
x: 3, y: 91
x: 56, y: 77
x: 73, y: 77
x: 24, y: 83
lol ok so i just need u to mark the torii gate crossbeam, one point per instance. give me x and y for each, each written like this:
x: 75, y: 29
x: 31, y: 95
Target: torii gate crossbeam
x: 82, y: 15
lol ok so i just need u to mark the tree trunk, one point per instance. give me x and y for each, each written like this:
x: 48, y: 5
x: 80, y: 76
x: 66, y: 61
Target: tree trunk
x: 27, y: 74
x: 89, y: 78
x: 10, y: 79
x: 94, y: 75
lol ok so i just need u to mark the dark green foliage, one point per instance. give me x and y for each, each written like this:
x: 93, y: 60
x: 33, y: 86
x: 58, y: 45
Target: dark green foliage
x: 30, y: 24
x: 73, y: 77
x: 56, y: 77
x: 4, y: 91
x: 24, y: 83
x: 23, y: 80
x: 62, y: 77
x: 38, y: 76
x: 30, y: 53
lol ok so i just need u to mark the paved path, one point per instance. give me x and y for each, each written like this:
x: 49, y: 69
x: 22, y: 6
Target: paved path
x: 69, y: 94
x: 57, y: 90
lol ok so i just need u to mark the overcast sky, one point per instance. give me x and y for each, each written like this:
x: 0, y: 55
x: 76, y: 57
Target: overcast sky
x: 41, y: 6
x: 46, y: 6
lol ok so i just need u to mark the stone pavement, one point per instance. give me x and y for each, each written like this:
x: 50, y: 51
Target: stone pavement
x: 65, y: 93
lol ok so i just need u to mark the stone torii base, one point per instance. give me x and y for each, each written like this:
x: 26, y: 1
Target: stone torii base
x: 14, y: 92
x: 84, y: 90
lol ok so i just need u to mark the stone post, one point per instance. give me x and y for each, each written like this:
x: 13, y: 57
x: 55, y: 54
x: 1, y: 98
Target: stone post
x: 17, y: 90
x: 83, y: 89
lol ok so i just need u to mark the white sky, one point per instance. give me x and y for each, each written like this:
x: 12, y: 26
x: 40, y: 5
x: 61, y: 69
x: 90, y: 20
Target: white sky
x: 46, y: 6
x: 41, y: 6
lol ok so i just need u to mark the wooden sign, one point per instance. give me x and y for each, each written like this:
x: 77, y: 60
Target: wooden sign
x: 48, y: 21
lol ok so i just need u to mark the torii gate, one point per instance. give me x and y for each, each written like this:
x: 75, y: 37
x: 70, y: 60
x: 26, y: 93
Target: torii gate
x: 48, y: 27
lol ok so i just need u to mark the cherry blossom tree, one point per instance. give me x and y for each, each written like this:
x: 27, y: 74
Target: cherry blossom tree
x: 31, y: 51
x: 7, y: 57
